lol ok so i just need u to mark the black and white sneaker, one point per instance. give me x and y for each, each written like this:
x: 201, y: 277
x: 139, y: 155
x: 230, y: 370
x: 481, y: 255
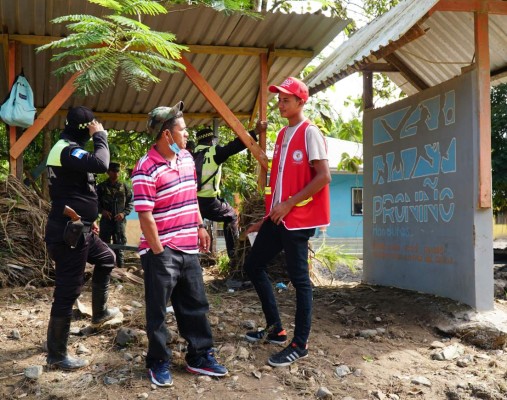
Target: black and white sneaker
x: 270, y: 334
x: 288, y: 355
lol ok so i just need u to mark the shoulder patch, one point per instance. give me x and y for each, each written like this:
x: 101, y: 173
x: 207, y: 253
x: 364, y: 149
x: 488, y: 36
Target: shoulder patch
x: 78, y: 153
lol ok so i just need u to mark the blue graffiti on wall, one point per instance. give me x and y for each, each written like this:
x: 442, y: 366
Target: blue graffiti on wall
x: 430, y: 204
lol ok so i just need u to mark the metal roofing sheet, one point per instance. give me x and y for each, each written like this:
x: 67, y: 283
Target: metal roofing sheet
x: 383, y: 30
x: 234, y: 77
x: 437, y: 56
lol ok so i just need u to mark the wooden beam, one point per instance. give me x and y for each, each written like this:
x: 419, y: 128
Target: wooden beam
x: 367, y: 90
x: 123, y: 117
x: 227, y: 115
x: 412, y: 34
x: 5, y: 48
x: 481, y: 29
x: 263, y: 105
x: 487, y: 6
x: 44, y: 117
x: 379, y: 67
x: 12, y: 129
x: 407, y: 73
x: 498, y: 74
x: 271, y: 60
x: 497, y: 7
x: 38, y: 40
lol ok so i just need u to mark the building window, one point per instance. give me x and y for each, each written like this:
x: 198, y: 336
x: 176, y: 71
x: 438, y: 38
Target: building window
x: 357, y: 201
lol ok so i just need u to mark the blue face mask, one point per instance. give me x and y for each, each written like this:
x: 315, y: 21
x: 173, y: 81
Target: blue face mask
x: 175, y: 148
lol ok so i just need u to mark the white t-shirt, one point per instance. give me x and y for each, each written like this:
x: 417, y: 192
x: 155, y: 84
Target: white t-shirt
x: 315, y: 147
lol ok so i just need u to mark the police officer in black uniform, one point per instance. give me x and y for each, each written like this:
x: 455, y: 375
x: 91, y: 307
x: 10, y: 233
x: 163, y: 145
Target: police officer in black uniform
x: 71, y: 176
x: 115, y: 203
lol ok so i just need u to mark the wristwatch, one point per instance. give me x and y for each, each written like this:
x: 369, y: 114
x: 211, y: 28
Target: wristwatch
x: 200, y: 226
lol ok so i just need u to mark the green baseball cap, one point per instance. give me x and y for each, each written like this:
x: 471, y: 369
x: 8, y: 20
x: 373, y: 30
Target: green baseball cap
x: 159, y: 115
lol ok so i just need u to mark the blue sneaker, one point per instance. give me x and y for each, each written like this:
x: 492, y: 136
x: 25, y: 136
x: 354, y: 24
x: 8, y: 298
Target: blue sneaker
x: 160, y: 375
x: 207, y: 365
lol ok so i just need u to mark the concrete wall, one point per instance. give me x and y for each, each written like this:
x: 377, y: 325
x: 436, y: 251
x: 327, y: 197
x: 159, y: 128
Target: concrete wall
x: 422, y: 227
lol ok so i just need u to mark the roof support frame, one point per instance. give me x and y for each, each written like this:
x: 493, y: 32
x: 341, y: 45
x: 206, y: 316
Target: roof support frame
x: 269, y: 63
x: 39, y: 40
x: 367, y: 90
x: 228, y: 116
x: 11, y: 61
x: 263, y: 105
x: 481, y: 34
x: 487, y: 6
x: 412, y: 34
x: 407, y: 73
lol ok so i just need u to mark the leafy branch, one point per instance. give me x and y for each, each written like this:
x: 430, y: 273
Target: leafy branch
x: 99, y: 48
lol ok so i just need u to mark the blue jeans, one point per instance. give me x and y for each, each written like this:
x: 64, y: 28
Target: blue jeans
x: 271, y: 240
x: 177, y: 276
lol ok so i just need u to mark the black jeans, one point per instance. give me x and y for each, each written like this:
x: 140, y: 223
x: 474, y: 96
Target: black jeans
x: 271, y: 240
x: 219, y: 210
x: 177, y: 276
x: 70, y: 265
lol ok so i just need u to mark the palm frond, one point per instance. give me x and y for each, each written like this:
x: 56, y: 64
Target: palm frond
x: 128, y: 22
x: 132, y: 7
x: 114, y: 5
x: 103, y: 47
x: 77, y: 18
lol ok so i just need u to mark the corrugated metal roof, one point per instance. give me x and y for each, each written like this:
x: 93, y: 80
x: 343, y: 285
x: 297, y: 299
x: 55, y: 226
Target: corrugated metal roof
x: 435, y: 57
x: 383, y: 30
x: 234, y: 77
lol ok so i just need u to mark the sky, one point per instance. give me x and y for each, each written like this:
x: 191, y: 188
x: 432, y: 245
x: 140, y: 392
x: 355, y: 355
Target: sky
x: 353, y: 84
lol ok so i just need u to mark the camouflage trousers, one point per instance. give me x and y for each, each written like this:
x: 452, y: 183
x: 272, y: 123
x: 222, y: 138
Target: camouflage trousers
x: 115, y: 231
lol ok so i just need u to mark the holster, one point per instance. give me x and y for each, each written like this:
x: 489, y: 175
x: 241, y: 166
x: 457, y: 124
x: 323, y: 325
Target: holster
x: 72, y: 233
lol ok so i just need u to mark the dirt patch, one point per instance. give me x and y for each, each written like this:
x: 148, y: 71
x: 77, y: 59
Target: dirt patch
x: 393, y: 363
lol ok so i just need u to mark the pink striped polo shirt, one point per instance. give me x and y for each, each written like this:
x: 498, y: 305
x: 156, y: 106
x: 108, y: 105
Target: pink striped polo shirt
x: 169, y: 191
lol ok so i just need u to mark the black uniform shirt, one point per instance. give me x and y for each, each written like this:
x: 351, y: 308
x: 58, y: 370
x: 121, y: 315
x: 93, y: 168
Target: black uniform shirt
x: 73, y: 183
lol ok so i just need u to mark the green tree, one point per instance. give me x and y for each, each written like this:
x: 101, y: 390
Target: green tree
x: 119, y: 42
x: 100, y: 47
x: 499, y: 147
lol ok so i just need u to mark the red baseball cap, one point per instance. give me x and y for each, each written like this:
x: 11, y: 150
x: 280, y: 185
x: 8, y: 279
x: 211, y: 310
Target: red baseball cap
x: 291, y: 86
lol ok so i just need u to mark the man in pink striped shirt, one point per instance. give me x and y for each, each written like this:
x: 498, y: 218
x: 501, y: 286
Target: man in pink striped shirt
x: 165, y: 198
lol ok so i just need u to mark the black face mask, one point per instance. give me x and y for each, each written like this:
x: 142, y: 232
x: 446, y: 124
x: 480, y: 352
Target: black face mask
x: 80, y: 136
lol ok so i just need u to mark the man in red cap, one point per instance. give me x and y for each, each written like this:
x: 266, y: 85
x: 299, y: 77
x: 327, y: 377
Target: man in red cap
x: 297, y: 202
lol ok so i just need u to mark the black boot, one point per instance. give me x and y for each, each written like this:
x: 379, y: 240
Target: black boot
x: 100, y: 293
x: 58, y: 336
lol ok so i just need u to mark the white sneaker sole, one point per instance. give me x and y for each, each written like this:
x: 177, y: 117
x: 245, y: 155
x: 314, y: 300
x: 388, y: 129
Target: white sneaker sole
x: 286, y: 363
x: 201, y: 371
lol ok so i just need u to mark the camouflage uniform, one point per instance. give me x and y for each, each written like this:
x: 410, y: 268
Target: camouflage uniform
x: 115, y: 198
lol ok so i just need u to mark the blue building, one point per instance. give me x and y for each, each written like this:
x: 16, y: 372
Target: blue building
x: 346, y: 192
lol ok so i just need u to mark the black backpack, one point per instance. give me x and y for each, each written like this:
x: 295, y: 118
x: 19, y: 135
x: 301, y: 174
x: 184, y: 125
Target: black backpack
x: 199, y: 158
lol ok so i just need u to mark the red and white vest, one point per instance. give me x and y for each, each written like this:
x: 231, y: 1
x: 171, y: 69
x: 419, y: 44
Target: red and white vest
x: 296, y: 173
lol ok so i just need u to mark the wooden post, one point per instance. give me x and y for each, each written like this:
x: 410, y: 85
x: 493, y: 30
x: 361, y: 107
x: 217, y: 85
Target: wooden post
x: 367, y: 90
x: 263, y: 105
x: 481, y: 28
x: 12, y: 129
x: 228, y: 116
